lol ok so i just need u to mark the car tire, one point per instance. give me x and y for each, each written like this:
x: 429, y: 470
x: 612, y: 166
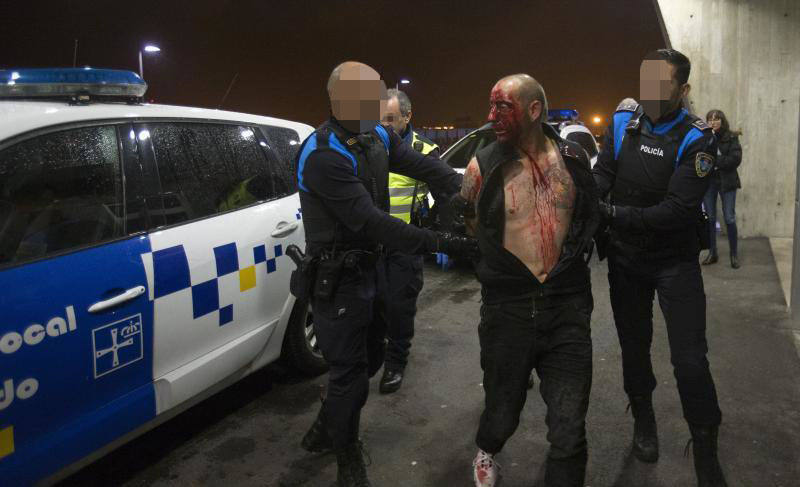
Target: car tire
x: 300, y: 346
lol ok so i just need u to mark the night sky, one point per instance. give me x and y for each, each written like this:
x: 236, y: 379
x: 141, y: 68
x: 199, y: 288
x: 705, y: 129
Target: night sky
x: 586, y: 53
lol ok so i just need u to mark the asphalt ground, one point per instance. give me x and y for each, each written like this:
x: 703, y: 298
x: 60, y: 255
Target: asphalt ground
x: 423, y: 435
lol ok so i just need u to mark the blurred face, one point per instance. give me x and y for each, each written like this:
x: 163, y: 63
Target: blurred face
x: 393, y: 118
x: 358, y: 98
x: 659, y: 93
x: 715, y: 123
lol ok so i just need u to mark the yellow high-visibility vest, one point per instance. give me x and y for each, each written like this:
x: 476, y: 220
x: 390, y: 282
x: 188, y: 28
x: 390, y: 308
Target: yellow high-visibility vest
x: 401, y: 188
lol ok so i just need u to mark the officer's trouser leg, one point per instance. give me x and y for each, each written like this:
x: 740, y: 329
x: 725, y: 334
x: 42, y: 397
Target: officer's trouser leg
x: 404, y: 277
x: 710, y: 205
x: 342, y: 327
x: 376, y: 335
x: 632, y: 304
x: 683, y: 302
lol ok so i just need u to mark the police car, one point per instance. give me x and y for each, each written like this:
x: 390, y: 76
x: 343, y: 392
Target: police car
x: 565, y: 121
x: 142, y: 261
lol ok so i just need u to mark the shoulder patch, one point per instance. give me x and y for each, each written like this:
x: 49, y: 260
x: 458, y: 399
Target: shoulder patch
x: 703, y: 163
x: 627, y: 105
x: 701, y: 125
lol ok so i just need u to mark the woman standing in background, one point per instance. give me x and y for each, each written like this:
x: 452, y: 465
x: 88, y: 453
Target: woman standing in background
x: 725, y: 182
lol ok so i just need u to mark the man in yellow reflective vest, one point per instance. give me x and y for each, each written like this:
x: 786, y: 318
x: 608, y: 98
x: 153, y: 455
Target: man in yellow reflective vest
x: 408, y: 200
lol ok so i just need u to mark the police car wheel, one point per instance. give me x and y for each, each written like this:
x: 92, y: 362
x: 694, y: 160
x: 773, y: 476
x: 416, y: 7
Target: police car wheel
x: 300, y: 344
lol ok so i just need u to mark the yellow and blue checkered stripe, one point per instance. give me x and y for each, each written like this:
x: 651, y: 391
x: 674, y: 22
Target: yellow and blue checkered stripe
x: 172, y: 274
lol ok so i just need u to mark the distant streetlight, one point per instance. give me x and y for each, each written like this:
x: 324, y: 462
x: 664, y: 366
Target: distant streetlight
x: 597, y: 119
x: 148, y: 48
x: 403, y: 81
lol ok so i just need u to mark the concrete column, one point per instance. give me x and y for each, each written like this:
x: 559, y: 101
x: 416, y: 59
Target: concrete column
x: 746, y: 61
x: 794, y: 296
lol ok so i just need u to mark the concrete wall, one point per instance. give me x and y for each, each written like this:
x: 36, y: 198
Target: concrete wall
x: 746, y: 61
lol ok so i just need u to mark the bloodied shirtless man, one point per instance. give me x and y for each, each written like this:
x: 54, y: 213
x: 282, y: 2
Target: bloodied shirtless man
x: 532, y: 204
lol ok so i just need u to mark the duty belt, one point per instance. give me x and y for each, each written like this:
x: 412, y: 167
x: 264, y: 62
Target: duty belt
x: 640, y: 241
x: 649, y: 253
x: 320, y: 247
x: 353, y: 258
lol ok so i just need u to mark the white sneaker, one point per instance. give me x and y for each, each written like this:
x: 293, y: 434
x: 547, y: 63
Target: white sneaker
x: 485, y: 471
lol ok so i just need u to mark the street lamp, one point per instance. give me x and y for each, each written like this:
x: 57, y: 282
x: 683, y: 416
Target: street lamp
x: 147, y: 48
x: 403, y: 81
x: 597, y: 119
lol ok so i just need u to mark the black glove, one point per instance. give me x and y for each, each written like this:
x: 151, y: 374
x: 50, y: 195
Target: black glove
x: 457, y: 245
x: 462, y: 207
x: 607, y: 213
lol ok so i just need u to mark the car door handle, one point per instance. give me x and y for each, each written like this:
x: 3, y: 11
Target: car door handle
x: 283, y: 229
x: 131, y: 293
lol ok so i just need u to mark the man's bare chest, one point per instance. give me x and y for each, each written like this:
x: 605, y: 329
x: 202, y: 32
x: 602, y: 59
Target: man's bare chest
x: 538, y: 191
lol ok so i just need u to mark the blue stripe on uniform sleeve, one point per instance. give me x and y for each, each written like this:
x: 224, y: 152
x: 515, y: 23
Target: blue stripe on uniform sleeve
x: 620, y: 122
x: 384, y: 135
x: 309, y: 147
x: 692, y: 136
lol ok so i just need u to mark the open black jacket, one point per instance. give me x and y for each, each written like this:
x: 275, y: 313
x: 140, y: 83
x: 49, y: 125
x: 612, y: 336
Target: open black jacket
x: 728, y: 160
x: 502, y: 275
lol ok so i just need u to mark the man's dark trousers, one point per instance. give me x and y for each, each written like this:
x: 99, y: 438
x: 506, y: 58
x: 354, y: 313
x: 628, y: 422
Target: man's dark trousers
x: 553, y: 336
x: 679, y: 282
x: 350, y: 328
x: 404, y: 283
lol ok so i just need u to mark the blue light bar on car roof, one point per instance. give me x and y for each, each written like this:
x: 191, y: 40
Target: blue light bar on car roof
x: 52, y: 82
x: 563, y: 114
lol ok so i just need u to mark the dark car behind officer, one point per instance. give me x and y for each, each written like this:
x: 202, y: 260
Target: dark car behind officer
x: 342, y: 175
x: 655, y: 163
x: 404, y: 277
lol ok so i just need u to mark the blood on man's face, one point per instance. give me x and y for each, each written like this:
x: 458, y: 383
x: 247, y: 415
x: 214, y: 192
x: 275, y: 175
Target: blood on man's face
x: 505, y: 113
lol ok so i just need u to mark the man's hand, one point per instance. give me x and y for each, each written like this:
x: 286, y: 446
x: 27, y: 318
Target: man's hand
x: 458, y: 245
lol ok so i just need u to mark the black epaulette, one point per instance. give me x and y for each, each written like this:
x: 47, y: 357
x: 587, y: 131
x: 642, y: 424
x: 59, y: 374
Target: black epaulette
x: 635, y: 121
x: 701, y: 125
x: 627, y: 105
x: 322, y: 134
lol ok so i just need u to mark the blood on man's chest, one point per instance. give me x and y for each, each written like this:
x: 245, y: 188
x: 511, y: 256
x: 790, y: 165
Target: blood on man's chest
x: 528, y: 187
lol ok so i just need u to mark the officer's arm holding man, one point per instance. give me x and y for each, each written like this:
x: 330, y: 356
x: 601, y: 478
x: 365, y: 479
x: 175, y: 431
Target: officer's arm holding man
x: 331, y: 176
x: 686, y: 189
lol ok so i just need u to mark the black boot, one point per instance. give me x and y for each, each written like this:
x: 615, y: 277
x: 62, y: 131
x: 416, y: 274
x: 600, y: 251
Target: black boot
x: 711, y: 258
x: 735, y: 262
x: 645, y: 434
x: 704, y: 450
x: 317, y: 440
x: 391, y: 380
x: 352, y: 471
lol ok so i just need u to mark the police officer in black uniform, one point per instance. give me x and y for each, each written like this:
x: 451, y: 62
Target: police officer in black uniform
x: 655, y: 163
x: 342, y: 176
